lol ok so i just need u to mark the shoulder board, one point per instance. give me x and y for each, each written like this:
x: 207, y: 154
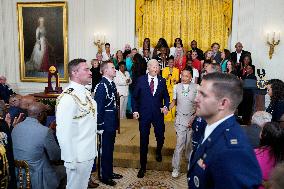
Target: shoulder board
x: 68, y: 91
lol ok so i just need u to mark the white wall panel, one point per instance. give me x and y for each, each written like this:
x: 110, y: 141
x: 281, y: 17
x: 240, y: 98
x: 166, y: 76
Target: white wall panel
x: 115, y: 18
x: 252, y: 19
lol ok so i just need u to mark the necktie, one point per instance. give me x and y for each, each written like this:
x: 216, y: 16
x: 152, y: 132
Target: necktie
x: 152, y: 86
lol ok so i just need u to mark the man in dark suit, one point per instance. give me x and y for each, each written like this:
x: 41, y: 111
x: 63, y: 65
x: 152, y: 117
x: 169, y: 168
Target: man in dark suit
x: 105, y: 96
x: 216, y: 53
x: 150, y: 101
x: 96, y: 74
x: 194, y: 48
x: 239, y: 54
x: 253, y: 131
x: 5, y: 91
x: 224, y: 158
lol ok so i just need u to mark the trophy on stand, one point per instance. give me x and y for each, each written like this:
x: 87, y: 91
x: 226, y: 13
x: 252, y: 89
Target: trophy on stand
x: 52, y: 71
x: 261, y: 83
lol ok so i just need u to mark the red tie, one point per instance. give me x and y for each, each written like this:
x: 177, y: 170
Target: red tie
x: 152, y: 85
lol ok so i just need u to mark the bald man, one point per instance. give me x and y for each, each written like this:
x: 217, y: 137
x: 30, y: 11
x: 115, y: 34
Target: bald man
x: 36, y: 144
x: 150, y: 101
x: 239, y: 54
x: 26, y: 101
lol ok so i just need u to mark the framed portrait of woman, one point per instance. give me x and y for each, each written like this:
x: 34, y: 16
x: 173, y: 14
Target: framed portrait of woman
x: 43, y: 35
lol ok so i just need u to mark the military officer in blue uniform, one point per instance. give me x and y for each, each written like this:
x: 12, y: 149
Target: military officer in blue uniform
x: 105, y: 96
x: 224, y: 158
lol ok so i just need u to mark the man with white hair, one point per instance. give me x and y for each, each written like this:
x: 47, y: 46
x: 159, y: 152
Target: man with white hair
x: 258, y: 120
x: 150, y: 101
x: 5, y: 90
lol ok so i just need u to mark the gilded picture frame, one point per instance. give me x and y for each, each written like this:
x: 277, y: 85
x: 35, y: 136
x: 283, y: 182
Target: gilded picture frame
x: 43, y: 38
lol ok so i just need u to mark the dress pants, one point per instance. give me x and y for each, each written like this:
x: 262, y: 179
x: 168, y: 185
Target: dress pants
x: 108, y: 140
x: 144, y: 127
x: 79, y: 177
x: 94, y: 168
x: 123, y: 106
x: 183, y: 143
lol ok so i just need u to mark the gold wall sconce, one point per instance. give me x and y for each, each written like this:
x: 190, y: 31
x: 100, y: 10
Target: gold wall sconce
x: 272, y: 41
x: 99, y: 41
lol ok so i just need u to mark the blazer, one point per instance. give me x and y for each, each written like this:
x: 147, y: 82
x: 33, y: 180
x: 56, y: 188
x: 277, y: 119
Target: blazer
x: 105, y: 96
x: 217, y: 57
x: 5, y: 93
x: 224, y: 160
x: 252, y: 132
x: 276, y: 110
x: 145, y: 103
x: 36, y: 144
x: 96, y: 77
x: 233, y: 56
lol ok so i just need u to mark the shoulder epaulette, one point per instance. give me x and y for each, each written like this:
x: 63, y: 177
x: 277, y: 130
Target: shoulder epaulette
x: 68, y: 91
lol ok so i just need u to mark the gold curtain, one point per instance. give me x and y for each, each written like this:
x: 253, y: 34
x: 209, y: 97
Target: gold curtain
x: 206, y: 21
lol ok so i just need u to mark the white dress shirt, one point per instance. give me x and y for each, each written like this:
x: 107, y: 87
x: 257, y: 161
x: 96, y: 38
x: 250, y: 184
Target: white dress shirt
x: 239, y: 56
x: 210, y: 128
x: 155, y: 82
x: 194, y: 75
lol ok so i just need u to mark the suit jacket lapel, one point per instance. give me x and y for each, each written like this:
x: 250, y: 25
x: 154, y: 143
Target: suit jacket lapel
x: 211, y: 139
x: 159, y: 85
x: 147, y: 83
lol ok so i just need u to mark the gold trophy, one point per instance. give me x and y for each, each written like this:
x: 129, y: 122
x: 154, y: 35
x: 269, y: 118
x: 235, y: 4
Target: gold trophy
x: 52, y: 71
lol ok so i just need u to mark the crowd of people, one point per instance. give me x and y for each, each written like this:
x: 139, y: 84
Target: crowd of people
x: 172, y: 61
x: 200, y: 92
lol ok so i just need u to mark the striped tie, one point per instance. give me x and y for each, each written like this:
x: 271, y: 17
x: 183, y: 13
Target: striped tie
x: 152, y: 86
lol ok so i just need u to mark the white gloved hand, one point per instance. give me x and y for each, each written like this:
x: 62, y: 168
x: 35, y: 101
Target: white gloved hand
x: 70, y: 165
x: 100, y: 132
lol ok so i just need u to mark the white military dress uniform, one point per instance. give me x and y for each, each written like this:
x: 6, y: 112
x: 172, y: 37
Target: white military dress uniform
x: 184, y: 94
x: 76, y: 117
